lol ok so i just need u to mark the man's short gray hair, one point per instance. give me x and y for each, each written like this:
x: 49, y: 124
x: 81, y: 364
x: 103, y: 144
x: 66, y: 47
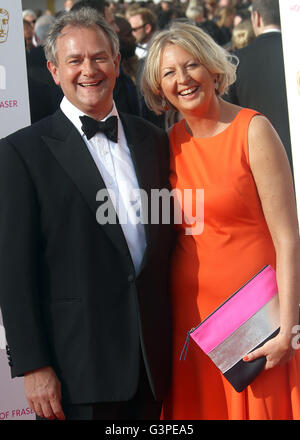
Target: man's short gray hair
x: 84, y: 18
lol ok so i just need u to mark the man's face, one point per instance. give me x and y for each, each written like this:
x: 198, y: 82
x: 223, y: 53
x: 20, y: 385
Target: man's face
x: 86, y: 69
x: 69, y: 4
x: 127, y: 40
x: 31, y: 19
x: 139, y: 28
x: 4, y: 17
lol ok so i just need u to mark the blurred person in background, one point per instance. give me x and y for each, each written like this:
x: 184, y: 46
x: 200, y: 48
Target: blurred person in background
x: 242, y: 35
x: 68, y: 4
x: 42, y: 27
x: 224, y: 19
x: 30, y: 16
x: 28, y: 35
x: 39, y: 74
x: 241, y: 14
x: 260, y: 82
x: 102, y: 6
x: 125, y: 91
x: 143, y: 24
x: 195, y: 13
x: 210, y: 9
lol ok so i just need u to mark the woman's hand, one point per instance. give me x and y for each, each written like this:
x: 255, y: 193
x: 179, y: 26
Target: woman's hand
x: 278, y: 351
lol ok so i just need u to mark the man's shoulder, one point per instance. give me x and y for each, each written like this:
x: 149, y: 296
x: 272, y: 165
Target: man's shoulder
x: 34, y: 132
x: 259, y: 44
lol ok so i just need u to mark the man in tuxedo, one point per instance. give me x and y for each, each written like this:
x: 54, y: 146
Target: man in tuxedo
x: 84, y: 300
x: 260, y: 82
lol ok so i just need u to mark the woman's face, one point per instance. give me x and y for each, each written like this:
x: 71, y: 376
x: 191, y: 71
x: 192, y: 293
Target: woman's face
x: 185, y: 82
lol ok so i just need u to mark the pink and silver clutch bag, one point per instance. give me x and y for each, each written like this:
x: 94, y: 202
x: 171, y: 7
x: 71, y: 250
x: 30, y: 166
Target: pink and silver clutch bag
x: 244, y: 322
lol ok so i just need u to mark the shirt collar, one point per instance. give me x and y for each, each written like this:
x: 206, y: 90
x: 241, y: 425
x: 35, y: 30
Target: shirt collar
x: 73, y: 113
x: 271, y: 30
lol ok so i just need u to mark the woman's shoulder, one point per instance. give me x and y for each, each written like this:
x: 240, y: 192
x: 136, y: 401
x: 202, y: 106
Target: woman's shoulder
x: 265, y: 145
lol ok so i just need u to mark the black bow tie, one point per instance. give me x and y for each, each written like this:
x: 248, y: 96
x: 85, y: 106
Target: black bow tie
x: 109, y: 127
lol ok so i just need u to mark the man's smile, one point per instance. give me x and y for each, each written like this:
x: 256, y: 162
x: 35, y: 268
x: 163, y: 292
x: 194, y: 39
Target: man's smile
x: 93, y: 84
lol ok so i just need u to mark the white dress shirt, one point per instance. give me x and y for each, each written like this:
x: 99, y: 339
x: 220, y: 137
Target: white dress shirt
x: 114, y: 163
x: 141, y: 50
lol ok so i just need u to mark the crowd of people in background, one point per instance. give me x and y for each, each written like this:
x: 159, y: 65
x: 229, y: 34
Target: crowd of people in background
x: 227, y: 21
x: 230, y: 24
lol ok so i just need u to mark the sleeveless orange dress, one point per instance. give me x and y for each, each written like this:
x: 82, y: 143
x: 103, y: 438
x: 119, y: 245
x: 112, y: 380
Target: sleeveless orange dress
x: 208, y: 267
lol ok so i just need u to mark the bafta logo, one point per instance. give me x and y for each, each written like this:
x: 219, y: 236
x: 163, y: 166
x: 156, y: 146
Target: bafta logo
x: 4, y: 19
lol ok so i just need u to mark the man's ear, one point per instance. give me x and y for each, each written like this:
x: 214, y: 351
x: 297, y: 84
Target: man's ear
x: 53, y: 69
x: 256, y: 19
x: 148, y: 28
x: 117, y: 63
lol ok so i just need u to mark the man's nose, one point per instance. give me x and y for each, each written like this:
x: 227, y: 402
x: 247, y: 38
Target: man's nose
x: 89, y: 67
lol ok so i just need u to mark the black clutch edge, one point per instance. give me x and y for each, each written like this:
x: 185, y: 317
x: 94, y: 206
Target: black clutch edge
x: 243, y: 373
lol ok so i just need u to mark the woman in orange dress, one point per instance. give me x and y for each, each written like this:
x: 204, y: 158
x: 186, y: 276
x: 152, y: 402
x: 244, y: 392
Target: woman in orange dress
x: 235, y: 156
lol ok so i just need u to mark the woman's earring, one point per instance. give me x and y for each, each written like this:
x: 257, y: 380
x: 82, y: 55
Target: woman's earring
x: 164, y: 104
x: 217, y: 84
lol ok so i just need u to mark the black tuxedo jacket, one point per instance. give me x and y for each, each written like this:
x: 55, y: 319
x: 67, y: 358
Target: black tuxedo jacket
x: 70, y: 297
x: 260, y: 83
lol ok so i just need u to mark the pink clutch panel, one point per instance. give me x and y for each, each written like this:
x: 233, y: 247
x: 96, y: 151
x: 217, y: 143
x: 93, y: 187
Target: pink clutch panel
x: 244, y: 322
x: 236, y: 310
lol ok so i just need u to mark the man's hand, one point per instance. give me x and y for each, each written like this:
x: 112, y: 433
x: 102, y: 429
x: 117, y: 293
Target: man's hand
x: 43, y: 393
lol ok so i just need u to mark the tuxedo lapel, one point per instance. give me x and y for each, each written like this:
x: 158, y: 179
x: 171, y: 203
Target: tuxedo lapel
x: 73, y: 155
x: 146, y: 168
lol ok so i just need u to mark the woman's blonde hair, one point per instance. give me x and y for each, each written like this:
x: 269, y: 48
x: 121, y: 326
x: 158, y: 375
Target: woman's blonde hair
x: 199, y: 44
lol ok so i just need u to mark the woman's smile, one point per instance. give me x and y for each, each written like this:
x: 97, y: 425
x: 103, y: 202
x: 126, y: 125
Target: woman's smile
x: 185, y: 82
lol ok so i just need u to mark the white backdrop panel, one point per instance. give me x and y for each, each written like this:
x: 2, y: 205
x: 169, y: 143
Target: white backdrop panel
x: 290, y: 26
x: 14, y: 114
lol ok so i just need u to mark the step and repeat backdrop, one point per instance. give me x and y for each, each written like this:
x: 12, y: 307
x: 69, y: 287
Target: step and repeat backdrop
x: 290, y: 26
x: 14, y: 114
